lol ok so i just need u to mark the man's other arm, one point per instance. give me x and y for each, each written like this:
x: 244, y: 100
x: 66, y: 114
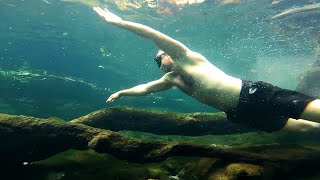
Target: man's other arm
x: 161, y: 84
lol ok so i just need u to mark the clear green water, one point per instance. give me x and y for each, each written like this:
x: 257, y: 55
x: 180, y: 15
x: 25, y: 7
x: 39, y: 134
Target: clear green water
x: 59, y: 59
x: 62, y: 39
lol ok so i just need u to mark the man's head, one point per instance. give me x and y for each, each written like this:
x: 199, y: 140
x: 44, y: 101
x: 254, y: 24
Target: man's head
x: 164, y: 61
x: 158, y: 57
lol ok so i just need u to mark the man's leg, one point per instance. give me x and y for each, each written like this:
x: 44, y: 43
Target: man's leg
x: 309, y: 121
x: 312, y: 111
x: 301, y: 126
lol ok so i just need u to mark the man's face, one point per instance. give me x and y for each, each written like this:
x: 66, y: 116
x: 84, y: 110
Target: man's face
x: 166, y: 63
x: 158, y: 58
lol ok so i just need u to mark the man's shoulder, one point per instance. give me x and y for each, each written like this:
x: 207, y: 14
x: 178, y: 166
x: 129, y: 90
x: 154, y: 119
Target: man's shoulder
x: 195, y: 56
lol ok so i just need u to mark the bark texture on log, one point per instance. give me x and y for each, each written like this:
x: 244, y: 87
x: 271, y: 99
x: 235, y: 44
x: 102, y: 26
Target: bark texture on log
x: 159, y: 122
x: 27, y: 139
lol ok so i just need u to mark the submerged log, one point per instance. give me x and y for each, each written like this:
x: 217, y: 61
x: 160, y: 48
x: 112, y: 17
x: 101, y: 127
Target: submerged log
x: 27, y: 139
x: 159, y: 122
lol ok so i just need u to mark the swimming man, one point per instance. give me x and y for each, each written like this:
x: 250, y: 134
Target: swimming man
x: 258, y: 104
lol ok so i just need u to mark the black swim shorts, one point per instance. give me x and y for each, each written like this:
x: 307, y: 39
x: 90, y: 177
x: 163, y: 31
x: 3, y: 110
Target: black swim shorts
x: 267, y: 107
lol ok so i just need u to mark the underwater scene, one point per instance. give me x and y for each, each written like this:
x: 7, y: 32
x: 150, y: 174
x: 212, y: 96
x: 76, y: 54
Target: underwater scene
x: 168, y: 113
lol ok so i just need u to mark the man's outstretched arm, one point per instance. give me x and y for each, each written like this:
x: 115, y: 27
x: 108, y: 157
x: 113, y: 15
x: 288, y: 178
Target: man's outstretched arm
x: 171, y: 46
x: 144, y: 89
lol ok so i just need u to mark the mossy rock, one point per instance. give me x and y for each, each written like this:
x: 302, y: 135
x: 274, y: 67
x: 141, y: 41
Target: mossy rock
x: 199, y: 169
x: 236, y: 171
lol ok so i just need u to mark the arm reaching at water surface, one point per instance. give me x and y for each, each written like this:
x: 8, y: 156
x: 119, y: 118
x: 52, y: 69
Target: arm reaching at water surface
x: 171, y: 46
x: 144, y: 89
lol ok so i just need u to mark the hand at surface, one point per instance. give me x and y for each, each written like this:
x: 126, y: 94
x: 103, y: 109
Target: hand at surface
x: 107, y: 15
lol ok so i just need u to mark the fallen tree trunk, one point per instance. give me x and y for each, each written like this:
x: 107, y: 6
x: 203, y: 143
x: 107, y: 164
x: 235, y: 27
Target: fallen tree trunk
x: 159, y: 122
x: 27, y: 139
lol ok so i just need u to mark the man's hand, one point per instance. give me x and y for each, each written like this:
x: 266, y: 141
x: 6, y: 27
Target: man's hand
x: 113, y: 97
x: 107, y: 15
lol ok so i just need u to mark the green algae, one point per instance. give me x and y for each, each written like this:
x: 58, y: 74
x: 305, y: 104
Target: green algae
x: 91, y: 165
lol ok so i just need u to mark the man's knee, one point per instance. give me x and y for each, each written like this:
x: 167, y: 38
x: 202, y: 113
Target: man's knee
x: 312, y: 111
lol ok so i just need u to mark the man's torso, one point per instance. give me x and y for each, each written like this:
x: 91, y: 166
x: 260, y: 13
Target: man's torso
x: 206, y: 83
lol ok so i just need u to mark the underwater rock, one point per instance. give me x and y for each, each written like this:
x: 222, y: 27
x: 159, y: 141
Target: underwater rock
x: 200, y: 168
x: 160, y: 122
x: 310, y: 82
x: 236, y: 171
